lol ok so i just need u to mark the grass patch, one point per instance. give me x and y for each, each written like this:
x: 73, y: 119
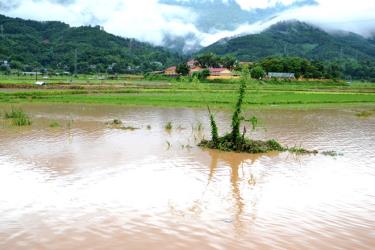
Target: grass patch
x: 168, y: 126
x: 225, y: 143
x: 54, y: 125
x: 118, y: 124
x: 364, y: 114
x: 331, y: 153
x: 299, y: 150
x: 218, y: 95
x: 128, y: 128
x: 18, y: 117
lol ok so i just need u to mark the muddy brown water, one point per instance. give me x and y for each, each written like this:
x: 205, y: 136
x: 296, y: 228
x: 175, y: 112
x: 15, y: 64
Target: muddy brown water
x: 86, y: 185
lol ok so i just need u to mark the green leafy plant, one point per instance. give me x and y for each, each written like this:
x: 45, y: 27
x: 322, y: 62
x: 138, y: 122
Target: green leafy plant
x: 234, y: 141
x: 214, y: 130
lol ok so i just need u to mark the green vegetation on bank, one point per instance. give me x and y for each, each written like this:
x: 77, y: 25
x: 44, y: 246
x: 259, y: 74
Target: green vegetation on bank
x: 183, y: 91
x: 188, y: 97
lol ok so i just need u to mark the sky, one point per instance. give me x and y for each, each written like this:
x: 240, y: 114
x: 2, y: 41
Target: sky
x: 192, y: 23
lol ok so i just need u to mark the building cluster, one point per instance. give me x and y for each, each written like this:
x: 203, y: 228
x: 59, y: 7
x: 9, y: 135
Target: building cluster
x: 215, y: 73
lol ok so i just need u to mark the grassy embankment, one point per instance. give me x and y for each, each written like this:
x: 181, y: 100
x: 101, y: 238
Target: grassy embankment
x: 130, y: 90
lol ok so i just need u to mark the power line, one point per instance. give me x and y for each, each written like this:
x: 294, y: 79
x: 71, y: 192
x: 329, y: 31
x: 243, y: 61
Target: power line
x: 285, y: 50
x: 75, y: 62
x: 341, y: 52
x: 2, y: 31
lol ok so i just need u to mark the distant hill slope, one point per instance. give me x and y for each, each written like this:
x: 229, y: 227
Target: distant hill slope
x: 27, y: 44
x: 295, y: 38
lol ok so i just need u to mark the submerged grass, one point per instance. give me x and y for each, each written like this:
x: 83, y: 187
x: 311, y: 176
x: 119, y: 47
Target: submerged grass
x: 364, y: 114
x: 18, y: 117
x: 225, y: 143
x: 54, y: 125
x: 168, y: 126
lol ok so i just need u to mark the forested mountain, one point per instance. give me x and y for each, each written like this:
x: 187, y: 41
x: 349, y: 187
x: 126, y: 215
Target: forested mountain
x: 30, y: 45
x: 293, y: 38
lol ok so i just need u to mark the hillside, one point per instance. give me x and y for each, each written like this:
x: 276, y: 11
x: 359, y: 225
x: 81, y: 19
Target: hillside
x: 295, y: 38
x: 28, y: 45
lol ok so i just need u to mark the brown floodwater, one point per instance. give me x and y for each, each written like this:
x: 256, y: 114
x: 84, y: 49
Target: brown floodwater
x: 88, y: 185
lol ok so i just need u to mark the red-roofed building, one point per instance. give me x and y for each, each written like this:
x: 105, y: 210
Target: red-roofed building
x: 195, y: 69
x: 192, y: 63
x: 221, y: 73
x: 171, y: 71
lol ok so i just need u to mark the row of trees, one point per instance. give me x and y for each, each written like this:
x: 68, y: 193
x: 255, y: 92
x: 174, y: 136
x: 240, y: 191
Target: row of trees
x: 209, y: 60
x: 300, y: 67
x: 338, y: 69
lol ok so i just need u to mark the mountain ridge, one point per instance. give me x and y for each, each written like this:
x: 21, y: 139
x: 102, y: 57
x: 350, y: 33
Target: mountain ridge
x: 295, y: 38
x: 29, y: 44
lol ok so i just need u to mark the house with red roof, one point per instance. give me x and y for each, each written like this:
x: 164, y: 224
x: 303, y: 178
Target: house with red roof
x: 221, y: 73
x: 171, y: 71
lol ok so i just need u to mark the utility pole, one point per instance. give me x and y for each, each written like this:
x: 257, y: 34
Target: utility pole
x: 341, y: 52
x: 285, y: 50
x: 2, y: 31
x: 75, y: 62
x: 130, y: 45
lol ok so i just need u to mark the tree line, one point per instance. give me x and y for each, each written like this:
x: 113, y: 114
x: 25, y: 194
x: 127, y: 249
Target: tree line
x: 301, y: 67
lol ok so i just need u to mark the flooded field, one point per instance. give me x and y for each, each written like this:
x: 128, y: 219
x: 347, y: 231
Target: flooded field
x: 83, y: 184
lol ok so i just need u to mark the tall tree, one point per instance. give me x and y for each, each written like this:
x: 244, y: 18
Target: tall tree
x: 183, y: 69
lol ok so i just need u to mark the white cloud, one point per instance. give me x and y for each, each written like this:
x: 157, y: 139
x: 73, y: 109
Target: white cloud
x: 356, y: 16
x: 262, y: 4
x: 149, y: 20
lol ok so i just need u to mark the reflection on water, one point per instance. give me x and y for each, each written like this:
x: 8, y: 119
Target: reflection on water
x: 86, y: 185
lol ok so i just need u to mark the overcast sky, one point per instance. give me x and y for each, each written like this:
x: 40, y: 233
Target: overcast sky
x: 204, y: 21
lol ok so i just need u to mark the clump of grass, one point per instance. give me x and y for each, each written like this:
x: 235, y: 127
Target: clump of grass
x: 331, y: 153
x: 225, y: 143
x: 299, y: 150
x: 168, y: 126
x: 364, y: 114
x: 116, y: 122
x: 187, y: 146
x: 128, y: 128
x: 180, y: 127
x: 200, y: 127
x: 169, y: 145
x: 18, y: 116
x: 54, y: 125
x: 235, y: 141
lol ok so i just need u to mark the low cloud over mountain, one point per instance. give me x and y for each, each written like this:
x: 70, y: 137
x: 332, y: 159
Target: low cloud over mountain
x: 190, y: 24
